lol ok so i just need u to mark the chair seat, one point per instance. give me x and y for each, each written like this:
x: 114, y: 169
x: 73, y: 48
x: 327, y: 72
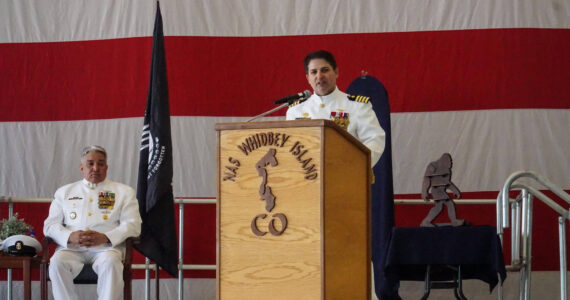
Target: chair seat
x: 86, y: 276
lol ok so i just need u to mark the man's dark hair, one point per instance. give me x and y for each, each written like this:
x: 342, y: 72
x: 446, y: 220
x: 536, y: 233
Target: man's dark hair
x: 322, y: 54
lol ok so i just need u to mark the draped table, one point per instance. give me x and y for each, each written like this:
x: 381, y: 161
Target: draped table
x: 443, y: 256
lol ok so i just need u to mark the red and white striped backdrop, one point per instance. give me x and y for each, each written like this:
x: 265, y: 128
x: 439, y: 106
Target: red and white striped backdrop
x: 487, y: 81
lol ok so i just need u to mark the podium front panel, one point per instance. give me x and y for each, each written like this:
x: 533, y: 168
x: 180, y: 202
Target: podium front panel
x: 288, y: 265
x: 293, y: 212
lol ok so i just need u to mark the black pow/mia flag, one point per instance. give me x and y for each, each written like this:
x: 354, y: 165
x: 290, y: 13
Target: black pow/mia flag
x: 158, y: 239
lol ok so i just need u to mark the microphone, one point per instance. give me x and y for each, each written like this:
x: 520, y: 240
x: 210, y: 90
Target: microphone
x: 294, y: 97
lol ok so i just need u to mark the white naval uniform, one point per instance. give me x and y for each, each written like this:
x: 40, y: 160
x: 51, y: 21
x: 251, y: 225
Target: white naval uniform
x: 82, y: 206
x: 363, y: 123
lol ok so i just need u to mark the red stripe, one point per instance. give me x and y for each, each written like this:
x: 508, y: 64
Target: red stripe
x: 229, y: 76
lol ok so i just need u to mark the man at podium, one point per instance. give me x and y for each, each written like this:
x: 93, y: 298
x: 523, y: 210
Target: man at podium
x: 353, y: 113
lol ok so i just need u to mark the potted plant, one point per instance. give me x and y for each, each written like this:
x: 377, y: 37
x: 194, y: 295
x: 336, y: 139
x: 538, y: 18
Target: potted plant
x: 15, y: 239
x: 13, y: 226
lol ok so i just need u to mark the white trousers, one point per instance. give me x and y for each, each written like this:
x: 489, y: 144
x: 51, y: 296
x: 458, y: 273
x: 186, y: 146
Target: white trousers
x: 66, y: 264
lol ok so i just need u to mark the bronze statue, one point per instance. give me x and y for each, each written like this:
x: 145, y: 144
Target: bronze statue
x: 438, y: 178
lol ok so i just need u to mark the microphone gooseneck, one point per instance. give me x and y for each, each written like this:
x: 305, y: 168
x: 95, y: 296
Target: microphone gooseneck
x: 289, y: 99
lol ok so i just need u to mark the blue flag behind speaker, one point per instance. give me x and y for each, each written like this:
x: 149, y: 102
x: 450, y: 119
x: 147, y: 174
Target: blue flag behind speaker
x: 382, y: 190
x: 154, y: 188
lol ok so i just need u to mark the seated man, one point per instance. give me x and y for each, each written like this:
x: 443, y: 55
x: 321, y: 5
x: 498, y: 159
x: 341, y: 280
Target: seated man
x: 90, y: 221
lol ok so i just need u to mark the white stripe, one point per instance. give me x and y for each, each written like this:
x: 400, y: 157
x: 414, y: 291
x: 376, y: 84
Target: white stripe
x: 63, y: 20
x: 487, y: 146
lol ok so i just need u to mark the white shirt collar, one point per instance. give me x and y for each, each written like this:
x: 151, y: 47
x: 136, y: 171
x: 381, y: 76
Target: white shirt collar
x: 92, y: 185
x: 335, y: 94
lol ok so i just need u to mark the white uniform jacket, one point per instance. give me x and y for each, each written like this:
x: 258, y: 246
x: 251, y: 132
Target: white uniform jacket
x: 363, y: 123
x: 107, y: 207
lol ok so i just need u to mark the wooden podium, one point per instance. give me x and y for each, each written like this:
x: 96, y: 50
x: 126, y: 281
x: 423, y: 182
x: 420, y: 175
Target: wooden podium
x: 293, y: 211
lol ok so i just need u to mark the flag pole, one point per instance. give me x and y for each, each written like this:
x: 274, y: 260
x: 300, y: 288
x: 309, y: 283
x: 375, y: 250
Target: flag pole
x: 154, y: 187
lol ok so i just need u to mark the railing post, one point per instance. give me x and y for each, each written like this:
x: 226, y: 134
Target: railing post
x: 516, y: 232
x: 146, y: 278
x: 524, y: 240
x: 499, y: 288
x: 181, y: 250
x: 562, y: 242
x: 9, y: 278
x: 498, y: 208
x: 529, y: 251
x: 527, y: 244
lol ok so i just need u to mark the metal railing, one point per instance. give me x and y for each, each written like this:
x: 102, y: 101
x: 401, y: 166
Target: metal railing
x: 182, y: 201
x: 521, y: 233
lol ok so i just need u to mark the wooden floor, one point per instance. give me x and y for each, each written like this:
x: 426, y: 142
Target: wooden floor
x: 545, y: 285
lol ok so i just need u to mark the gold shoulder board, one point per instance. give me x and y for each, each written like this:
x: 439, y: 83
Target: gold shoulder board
x: 357, y: 98
x: 297, y: 102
